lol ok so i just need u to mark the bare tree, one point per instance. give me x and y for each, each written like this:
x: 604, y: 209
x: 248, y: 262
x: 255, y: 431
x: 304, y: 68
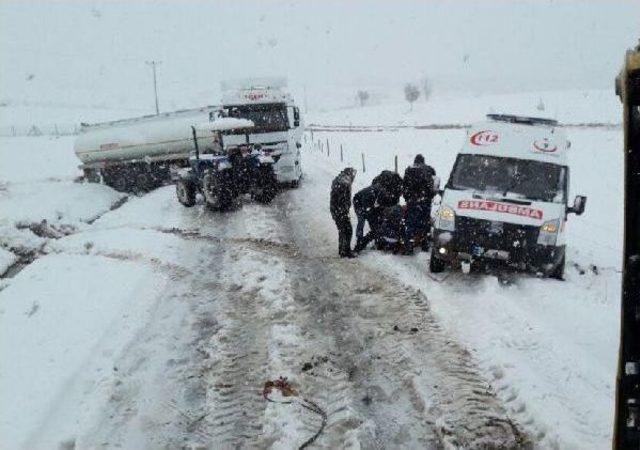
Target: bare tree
x: 363, y: 97
x: 411, y: 94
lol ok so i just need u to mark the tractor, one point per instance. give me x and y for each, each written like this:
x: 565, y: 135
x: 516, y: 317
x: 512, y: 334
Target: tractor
x: 222, y: 174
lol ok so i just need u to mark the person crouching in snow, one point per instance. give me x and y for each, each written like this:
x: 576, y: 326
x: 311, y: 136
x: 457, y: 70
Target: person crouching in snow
x: 366, y: 203
x: 340, y: 204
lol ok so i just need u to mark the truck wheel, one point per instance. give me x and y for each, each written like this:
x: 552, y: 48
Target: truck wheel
x: 266, y: 185
x: 217, y: 190
x: 558, y: 272
x: 144, y: 182
x: 92, y: 175
x: 186, y: 192
x: 436, y: 265
x: 118, y: 180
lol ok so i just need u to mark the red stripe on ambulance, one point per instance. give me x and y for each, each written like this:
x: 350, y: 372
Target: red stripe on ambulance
x: 485, y: 205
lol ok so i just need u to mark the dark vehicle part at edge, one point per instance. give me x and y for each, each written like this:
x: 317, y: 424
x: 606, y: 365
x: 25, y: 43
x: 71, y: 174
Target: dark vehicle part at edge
x: 626, y: 433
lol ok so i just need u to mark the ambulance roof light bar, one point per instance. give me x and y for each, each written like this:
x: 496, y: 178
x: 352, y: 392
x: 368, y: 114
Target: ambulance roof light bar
x: 522, y: 119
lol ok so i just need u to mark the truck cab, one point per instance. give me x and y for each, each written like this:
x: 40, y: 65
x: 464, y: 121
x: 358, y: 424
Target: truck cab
x: 278, y: 123
x: 506, y: 200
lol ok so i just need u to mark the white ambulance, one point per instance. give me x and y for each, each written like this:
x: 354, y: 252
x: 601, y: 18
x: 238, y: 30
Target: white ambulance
x: 506, y: 200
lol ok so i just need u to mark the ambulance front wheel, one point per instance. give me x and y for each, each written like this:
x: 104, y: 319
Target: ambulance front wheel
x: 558, y: 272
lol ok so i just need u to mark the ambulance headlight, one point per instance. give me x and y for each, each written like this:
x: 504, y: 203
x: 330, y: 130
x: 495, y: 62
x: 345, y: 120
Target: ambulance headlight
x: 446, y: 218
x: 548, y: 234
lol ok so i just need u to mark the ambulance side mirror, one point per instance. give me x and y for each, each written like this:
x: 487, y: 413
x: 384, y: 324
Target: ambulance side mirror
x: 579, y: 204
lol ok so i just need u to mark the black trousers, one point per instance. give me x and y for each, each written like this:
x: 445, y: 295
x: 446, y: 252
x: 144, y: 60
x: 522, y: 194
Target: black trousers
x: 345, y: 231
x: 374, y: 219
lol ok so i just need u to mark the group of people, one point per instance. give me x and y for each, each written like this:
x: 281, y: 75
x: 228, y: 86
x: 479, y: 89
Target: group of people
x: 391, y: 226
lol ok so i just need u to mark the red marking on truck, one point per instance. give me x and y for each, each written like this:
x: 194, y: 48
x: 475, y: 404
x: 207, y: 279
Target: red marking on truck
x: 544, y: 146
x: 255, y: 95
x: 487, y: 205
x: 484, y: 137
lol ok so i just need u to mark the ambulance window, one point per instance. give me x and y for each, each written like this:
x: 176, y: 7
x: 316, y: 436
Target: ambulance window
x: 509, y: 177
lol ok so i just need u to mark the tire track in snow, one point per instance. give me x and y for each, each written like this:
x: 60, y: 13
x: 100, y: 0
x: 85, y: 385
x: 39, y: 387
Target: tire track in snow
x: 413, y: 385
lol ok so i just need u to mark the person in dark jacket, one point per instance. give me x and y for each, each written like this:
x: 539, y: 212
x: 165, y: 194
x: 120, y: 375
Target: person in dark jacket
x: 391, y: 230
x: 340, y: 204
x: 391, y: 182
x: 366, y: 203
x: 418, y: 193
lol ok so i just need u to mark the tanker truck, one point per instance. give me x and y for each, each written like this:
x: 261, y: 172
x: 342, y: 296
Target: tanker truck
x: 140, y: 154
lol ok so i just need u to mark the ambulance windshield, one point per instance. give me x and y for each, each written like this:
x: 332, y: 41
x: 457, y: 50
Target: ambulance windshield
x: 510, y: 177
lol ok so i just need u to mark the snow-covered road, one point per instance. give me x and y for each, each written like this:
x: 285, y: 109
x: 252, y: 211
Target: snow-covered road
x: 232, y: 300
x: 144, y: 324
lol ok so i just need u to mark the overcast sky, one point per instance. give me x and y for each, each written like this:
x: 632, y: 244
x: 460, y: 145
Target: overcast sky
x: 96, y: 51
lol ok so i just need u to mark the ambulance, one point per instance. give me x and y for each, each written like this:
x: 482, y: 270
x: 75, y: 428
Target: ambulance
x: 505, y: 204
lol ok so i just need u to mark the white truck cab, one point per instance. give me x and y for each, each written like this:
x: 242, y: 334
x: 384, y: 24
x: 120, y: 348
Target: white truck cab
x: 278, y: 122
x: 506, y: 200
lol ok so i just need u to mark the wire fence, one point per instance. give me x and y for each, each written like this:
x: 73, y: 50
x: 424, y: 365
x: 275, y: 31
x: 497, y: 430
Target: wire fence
x: 339, y: 152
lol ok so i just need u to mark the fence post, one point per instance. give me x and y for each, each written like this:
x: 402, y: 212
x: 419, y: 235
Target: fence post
x: 327, y: 146
x: 341, y: 155
x: 311, y: 134
x: 364, y: 168
x: 395, y: 162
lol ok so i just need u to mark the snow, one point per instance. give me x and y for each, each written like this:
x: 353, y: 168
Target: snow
x: 61, y: 316
x: 7, y: 259
x: 549, y: 347
x: 37, y: 184
x: 27, y: 159
x: 94, y: 330
x: 225, y: 123
x: 567, y: 106
x: 57, y: 203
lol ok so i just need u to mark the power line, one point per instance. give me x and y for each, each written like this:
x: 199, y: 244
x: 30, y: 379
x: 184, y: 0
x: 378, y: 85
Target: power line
x: 153, y: 65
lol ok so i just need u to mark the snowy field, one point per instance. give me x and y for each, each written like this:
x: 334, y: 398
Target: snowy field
x: 143, y: 324
x: 571, y: 107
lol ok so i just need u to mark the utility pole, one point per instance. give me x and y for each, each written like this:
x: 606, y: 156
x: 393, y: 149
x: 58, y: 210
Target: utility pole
x: 306, y: 105
x: 153, y: 65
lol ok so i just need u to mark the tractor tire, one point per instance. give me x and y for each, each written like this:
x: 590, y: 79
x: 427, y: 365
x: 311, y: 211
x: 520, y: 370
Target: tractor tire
x: 217, y: 190
x: 436, y: 265
x: 186, y: 192
x: 266, y: 186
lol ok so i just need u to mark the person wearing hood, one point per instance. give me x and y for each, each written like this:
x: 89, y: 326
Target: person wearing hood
x: 418, y: 192
x: 340, y: 204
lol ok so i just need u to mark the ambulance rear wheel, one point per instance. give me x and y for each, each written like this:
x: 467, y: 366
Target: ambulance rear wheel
x: 436, y: 265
